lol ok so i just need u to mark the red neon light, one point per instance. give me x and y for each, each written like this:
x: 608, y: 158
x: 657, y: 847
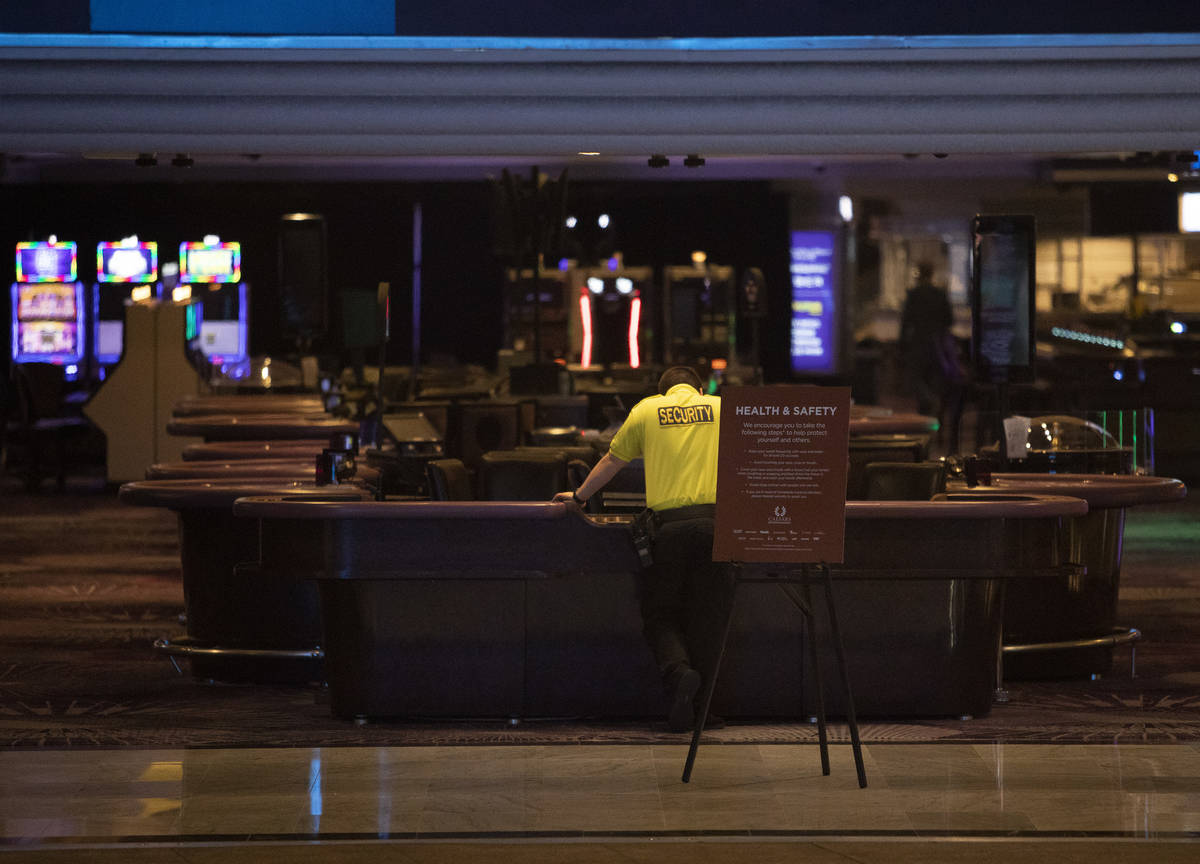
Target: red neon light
x: 635, y: 313
x: 585, y: 314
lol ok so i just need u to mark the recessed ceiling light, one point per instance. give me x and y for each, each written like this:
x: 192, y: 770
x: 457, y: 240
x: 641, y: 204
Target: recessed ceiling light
x: 589, y: 152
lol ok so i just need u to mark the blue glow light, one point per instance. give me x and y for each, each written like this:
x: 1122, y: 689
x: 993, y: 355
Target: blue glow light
x: 1118, y: 375
x: 315, y: 803
x: 1088, y: 338
x: 1178, y: 327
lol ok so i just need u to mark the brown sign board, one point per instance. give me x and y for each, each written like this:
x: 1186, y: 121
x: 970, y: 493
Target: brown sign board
x: 781, y: 474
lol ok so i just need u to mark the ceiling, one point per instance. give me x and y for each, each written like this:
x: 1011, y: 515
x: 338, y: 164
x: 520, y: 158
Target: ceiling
x: 80, y: 108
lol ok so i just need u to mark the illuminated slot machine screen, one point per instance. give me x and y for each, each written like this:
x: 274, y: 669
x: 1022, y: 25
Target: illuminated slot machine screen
x: 218, y: 265
x: 135, y: 263
x: 53, y: 300
x: 47, y: 304
x: 49, y: 338
x: 210, y: 262
x: 46, y: 262
x: 47, y: 322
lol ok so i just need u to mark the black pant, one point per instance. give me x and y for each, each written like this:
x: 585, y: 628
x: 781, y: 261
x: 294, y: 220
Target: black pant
x: 685, y: 599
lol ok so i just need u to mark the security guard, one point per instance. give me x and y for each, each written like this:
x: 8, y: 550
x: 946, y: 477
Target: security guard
x: 684, y: 596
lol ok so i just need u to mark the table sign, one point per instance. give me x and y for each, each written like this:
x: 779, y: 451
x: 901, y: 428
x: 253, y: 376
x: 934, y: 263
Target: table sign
x: 781, y: 474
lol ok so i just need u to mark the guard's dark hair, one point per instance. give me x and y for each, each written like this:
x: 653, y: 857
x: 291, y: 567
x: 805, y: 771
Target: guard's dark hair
x: 679, y: 375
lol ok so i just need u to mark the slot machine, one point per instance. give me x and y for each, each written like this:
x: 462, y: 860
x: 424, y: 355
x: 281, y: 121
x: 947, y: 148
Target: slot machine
x: 547, y: 309
x: 699, y: 321
x: 126, y: 272
x: 612, y: 323
x: 47, y: 307
x: 225, y: 327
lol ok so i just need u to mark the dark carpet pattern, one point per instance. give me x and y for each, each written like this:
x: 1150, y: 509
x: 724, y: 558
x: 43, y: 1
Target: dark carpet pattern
x: 87, y: 584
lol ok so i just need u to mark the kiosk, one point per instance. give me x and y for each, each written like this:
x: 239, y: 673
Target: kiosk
x: 133, y: 405
x: 47, y: 307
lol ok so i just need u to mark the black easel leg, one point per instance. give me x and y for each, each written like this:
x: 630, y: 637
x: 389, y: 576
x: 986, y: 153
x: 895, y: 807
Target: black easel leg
x: 711, y: 685
x: 818, y: 678
x: 851, y: 719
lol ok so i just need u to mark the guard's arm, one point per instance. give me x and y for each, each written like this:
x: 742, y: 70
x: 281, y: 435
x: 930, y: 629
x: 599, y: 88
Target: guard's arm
x: 603, y: 471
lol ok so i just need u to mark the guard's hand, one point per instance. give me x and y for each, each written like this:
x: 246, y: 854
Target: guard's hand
x: 564, y: 498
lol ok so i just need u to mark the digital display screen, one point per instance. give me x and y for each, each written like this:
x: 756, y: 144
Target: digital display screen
x: 210, y: 262
x: 221, y: 338
x: 53, y: 301
x: 49, y: 337
x: 46, y: 262
x: 1002, y: 271
x: 116, y: 262
x: 1189, y: 212
x: 110, y: 340
x: 814, y: 284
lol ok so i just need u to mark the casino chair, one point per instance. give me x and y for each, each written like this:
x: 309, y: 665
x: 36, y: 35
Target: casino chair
x: 531, y: 474
x: 38, y: 425
x: 624, y: 493
x: 903, y: 481
x: 865, y: 449
x: 448, y: 480
x: 559, y: 411
x: 474, y: 428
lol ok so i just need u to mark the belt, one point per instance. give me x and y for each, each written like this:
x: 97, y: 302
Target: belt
x: 692, y: 511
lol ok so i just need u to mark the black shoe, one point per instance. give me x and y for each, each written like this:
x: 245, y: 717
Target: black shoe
x: 680, y: 715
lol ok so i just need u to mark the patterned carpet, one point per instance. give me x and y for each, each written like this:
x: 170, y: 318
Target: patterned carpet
x: 86, y: 585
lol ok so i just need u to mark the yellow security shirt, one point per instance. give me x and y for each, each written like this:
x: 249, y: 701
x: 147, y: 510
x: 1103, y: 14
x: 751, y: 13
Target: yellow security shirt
x: 676, y: 435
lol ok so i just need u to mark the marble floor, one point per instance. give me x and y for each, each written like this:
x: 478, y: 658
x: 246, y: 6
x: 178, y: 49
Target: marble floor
x: 928, y: 801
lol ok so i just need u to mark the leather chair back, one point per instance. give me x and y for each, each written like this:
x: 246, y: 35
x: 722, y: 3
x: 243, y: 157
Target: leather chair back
x: 522, y: 475
x: 448, y: 480
x: 903, y: 481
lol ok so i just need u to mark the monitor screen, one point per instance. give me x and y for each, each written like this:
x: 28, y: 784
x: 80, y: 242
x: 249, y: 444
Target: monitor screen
x: 110, y: 340
x: 1002, y: 297
x: 220, y: 338
x: 1189, y: 212
x: 116, y: 262
x: 210, y: 262
x: 46, y: 262
x: 49, y: 300
x: 814, y: 284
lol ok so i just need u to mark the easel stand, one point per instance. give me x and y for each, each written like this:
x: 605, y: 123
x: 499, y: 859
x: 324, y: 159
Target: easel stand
x: 801, y: 597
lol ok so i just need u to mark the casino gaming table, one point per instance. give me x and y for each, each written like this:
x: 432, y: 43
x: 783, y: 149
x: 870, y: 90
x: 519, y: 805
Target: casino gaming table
x: 261, y: 427
x: 272, y: 403
x: 1057, y: 628
x: 883, y: 422
x: 503, y: 609
x: 228, y: 451
x: 217, y: 469
x: 243, y: 623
